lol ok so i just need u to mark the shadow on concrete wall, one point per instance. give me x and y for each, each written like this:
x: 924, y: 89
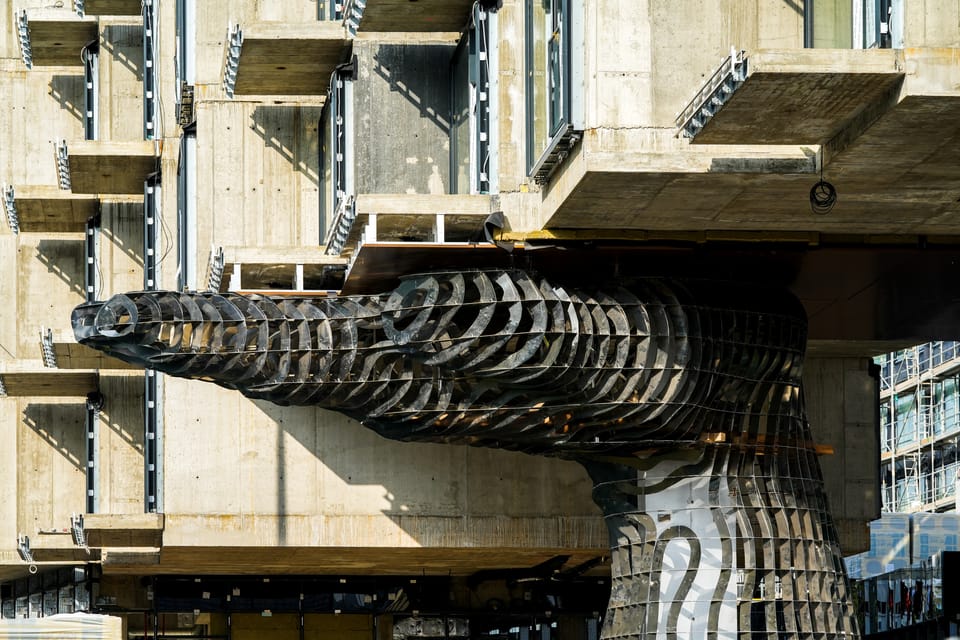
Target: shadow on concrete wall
x: 796, y: 5
x: 63, y: 258
x: 62, y: 427
x: 124, y: 43
x: 428, y: 92
x: 122, y: 410
x: 68, y: 92
x: 293, y: 133
x: 121, y: 224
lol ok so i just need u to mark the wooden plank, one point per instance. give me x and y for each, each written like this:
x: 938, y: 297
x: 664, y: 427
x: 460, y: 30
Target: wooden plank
x: 424, y: 15
x: 111, y: 167
x: 290, y: 59
x: 49, y: 383
x: 57, y: 37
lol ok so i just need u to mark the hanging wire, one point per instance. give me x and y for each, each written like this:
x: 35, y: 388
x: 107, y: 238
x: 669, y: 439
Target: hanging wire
x: 823, y: 196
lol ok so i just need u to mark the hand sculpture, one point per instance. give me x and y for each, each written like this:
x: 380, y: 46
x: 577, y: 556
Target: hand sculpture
x: 683, y: 402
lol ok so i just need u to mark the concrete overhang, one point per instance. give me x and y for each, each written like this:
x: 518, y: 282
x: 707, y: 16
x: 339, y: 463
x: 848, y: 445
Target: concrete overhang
x: 415, y: 218
x: 59, y: 547
x: 807, y: 96
x: 280, y: 59
x: 899, y: 178
x: 48, y: 382
x: 44, y: 209
x: 213, y: 560
x: 72, y: 355
x: 403, y: 15
x: 131, y: 530
x: 108, y: 7
x: 55, y: 37
x: 113, y: 168
x: 277, y: 269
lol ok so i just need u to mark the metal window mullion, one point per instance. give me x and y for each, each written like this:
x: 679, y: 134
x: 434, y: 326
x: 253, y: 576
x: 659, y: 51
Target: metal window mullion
x: 480, y: 112
x: 91, y: 91
x: 90, y: 270
x: 187, y: 212
x: 151, y: 236
x: 152, y: 454
x: 149, y: 71
x: 92, y: 461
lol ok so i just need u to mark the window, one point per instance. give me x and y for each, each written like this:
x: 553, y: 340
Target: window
x: 336, y: 158
x: 187, y: 210
x: 554, y: 68
x: 472, y: 148
x: 853, y: 24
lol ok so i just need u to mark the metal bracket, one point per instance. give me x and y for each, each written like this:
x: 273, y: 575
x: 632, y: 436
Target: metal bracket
x: 215, y: 269
x: 232, y: 65
x: 10, y: 205
x: 23, y: 32
x: 46, y: 348
x: 76, y: 530
x: 23, y: 548
x: 63, y: 165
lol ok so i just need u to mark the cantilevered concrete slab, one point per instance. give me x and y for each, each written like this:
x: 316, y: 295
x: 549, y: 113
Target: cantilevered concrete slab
x: 807, y: 96
x: 59, y: 547
x: 55, y: 37
x: 277, y: 269
x: 403, y: 15
x: 109, y: 7
x: 900, y: 177
x: 72, y: 355
x: 110, y: 167
x: 285, y: 59
x: 415, y: 218
x: 126, y: 530
x: 41, y: 381
x: 49, y: 209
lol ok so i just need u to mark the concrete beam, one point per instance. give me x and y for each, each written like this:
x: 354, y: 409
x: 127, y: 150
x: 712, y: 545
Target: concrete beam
x: 124, y: 530
x: 59, y: 547
x: 403, y: 15
x: 111, y: 167
x: 289, y: 59
x: 112, y: 7
x: 58, y: 35
x: 43, y: 382
x: 45, y: 209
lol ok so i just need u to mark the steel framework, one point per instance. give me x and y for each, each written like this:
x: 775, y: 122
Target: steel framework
x: 682, y: 400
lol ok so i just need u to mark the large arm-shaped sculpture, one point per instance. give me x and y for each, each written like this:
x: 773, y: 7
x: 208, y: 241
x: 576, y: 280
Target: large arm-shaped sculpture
x: 682, y: 400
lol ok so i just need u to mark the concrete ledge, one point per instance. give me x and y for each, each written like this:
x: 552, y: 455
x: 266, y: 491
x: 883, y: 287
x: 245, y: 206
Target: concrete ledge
x: 48, y: 382
x: 124, y: 530
x: 57, y: 36
x: 111, y: 167
x: 403, y: 15
x: 112, y: 7
x: 290, y: 59
x: 53, y: 210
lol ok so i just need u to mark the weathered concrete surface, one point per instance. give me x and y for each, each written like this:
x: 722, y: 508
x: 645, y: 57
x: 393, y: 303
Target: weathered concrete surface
x: 843, y: 409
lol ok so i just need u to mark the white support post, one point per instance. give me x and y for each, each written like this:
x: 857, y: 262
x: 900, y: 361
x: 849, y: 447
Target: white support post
x: 298, y: 278
x: 439, y: 232
x: 370, y: 230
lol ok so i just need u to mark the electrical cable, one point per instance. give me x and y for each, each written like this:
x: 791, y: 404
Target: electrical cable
x: 823, y: 196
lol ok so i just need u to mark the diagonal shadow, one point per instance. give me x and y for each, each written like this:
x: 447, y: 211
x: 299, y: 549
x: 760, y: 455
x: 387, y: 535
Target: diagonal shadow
x: 68, y: 92
x: 63, y: 258
x: 62, y: 427
x: 293, y: 132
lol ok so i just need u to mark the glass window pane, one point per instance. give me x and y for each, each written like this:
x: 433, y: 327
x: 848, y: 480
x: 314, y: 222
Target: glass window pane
x: 832, y: 24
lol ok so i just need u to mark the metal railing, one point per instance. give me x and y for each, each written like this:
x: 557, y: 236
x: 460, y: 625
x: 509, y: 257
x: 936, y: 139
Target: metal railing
x: 733, y: 66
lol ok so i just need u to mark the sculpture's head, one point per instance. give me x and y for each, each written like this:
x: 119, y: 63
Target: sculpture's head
x: 495, y: 358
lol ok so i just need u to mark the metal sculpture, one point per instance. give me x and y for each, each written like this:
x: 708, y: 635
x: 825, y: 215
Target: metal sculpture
x: 682, y: 400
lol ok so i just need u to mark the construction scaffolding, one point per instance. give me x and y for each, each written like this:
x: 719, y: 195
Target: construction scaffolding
x: 920, y: 424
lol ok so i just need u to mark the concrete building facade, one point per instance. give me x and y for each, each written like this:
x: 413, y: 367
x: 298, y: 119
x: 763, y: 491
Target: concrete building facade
x: 297, y: 147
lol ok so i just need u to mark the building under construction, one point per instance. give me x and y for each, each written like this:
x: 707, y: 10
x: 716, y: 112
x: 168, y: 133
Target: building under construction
x: 684, y: 194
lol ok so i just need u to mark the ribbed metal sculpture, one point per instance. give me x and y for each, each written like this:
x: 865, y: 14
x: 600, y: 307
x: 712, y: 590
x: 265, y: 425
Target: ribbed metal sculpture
x: 682, y: 400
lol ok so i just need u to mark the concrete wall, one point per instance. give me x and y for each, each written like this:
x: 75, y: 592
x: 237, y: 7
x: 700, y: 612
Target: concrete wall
x: 239, y: 472
x: 401, y: 112
x: 121, y: 80
x: 843, y: 409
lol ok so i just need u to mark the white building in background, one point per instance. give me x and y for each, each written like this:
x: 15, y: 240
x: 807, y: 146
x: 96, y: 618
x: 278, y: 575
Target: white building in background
x: 919, y: 427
